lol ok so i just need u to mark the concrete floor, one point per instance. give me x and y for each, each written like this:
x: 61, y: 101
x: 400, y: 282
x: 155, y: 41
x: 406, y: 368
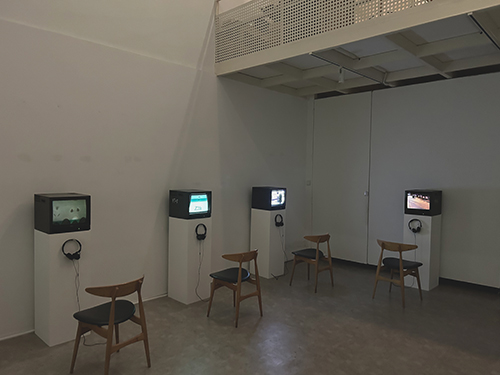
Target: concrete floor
x: 455, y: 330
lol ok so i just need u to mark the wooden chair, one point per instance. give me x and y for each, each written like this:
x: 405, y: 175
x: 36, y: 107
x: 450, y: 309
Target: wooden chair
x: 234, y: 277
x: 397, y: 265
x: 314, y: 257
x: 111, y: 314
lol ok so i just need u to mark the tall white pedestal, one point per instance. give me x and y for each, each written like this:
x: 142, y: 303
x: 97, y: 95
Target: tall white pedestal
x: 55, y: 290
x: 428, y: 241
x: 268, y: 238
x: 185, y: 252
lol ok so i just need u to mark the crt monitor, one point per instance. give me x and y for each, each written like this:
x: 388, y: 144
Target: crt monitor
x: 62, y: 212
x: 269, y: 198
x: 423, y: 202
x: 190, y: 204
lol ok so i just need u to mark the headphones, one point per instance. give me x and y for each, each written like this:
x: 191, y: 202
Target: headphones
x: 203, y: 235
x: 278, y: 220
x: 417, y: 228
x: 76, y: 254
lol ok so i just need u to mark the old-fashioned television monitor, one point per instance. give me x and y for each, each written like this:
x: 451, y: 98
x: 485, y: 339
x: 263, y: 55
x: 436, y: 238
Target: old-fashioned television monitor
x: 190, y: 204
x: 268, y: 198
x: 423, y: 202
x: 62, y: 212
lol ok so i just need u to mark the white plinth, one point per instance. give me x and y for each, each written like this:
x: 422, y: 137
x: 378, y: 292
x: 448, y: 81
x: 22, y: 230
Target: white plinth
x: 184, y: 254
x: 55, y: 291
x: 268, y: 238
x: 428, y: 241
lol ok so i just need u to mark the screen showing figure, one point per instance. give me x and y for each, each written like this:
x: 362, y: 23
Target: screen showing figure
x: 277, y: 197
x: 418, y: 201
x: 198, y: 204
x: 65, y: 212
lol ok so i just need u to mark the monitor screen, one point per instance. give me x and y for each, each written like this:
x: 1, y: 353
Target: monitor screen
x: 277, y: 197
x: 418, y: 201
x: 198, y: 204
x: 66, y: 212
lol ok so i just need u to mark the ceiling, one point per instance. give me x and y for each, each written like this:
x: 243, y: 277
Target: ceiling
x: 459, y: 46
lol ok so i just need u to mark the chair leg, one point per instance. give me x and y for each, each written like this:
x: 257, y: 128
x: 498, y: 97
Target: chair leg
x: 79, y: 333
x: 402, y: 285
x: 212, y: 290
x: 418, y: 282
x: 315, y: 276
x: 293, y: 270
x: 109, y: 345
x: 376, y: 282
x: 331, y: 273
x: 260, y: 303
x: 238, y: 295
x: 117, y: 335
x: 390, y: 284
x: 145, y: 339
x: 234, y: 298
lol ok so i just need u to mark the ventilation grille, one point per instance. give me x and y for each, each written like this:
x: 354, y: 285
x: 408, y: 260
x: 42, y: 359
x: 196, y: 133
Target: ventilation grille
x: 263, y: 24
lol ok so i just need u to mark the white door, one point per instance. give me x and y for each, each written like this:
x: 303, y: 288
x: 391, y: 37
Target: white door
x: 340, y: 182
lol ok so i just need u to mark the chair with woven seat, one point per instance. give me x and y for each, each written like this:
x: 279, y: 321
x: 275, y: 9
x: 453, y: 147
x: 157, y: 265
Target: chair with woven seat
x: 314, y: 256
x: 232, y: 278
x: 111, y: 314
x: 397, y: 265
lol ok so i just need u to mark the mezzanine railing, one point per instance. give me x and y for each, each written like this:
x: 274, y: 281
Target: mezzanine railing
x: 262, y: 24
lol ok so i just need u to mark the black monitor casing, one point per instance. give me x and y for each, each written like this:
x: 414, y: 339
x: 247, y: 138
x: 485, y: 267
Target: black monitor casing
x: 179, y: 204
x: 435, y: 197
x: 44, y: 213
x: 261, y: 198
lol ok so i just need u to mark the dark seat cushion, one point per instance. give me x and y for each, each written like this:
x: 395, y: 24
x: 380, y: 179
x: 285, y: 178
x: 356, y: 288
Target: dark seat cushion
x: 308, y: 253
x: 231, y: 275
x: 393, y: 263
x: 99, y: 315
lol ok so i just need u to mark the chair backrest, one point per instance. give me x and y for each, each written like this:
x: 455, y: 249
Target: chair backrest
x: 118, y: 290
x: 241, y: 257
x: 244, y: 257
x: 320, y: 239
x: 395, y: 246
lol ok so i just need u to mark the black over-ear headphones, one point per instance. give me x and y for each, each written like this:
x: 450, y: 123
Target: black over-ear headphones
x: 76, y: 254
x: 203, y: 235
x: 278, y: 220
x: 417, y: 228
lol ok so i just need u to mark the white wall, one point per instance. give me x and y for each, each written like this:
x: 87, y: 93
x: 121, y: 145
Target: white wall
x: 106, y: 98
x: 441, y: 135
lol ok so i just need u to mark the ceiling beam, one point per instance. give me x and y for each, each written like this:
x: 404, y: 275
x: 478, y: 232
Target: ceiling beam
x: 348, y: 63
x: 412, y: 49
x: 474, y: 62
x: 487, y: 25
x: 402, y: 75
x: 343, y: 87
x: 451, y: 44
x: 244, y: 78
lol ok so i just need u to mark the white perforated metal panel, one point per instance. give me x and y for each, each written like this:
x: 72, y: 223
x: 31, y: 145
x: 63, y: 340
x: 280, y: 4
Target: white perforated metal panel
x: 263, y: 24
